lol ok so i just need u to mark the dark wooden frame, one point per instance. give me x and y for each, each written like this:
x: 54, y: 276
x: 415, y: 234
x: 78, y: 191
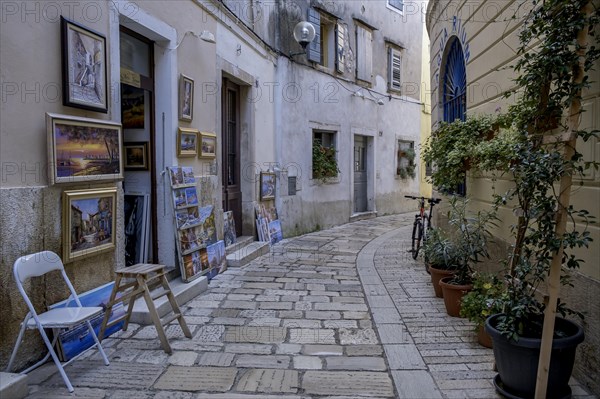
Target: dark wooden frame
x: 144, y: 145
x: 67, y: 25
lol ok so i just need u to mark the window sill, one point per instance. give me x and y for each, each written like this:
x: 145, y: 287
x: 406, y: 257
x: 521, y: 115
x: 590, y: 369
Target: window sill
x: 328, y: 180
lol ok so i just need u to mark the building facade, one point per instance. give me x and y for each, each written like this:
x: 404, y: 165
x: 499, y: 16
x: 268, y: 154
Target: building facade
x: 473, y: 46
x: 164, y: 73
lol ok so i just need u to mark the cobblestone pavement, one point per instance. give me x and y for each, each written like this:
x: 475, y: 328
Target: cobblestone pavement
x: 342, y: 313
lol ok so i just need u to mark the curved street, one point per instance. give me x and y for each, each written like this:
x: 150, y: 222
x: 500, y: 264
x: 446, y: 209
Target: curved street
x: 341, y: 313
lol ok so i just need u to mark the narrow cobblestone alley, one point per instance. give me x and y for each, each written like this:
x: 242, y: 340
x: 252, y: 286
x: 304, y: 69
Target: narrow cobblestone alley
x: 340, y: 313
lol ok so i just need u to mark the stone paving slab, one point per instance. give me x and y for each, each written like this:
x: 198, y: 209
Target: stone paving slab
x: 95, y: 374
x: 197, y: 379
x: 270, y: 381
x: 355, y: 384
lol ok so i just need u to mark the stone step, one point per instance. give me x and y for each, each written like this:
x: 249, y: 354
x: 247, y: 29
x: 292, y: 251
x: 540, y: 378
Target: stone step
x: 13, y: 386
x: 184, y: 292
x: 363, y: 216
x: 247, y: 254
x: 240, y: 243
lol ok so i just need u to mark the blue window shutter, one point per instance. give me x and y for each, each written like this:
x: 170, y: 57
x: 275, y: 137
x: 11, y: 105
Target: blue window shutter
x: 313, y: 52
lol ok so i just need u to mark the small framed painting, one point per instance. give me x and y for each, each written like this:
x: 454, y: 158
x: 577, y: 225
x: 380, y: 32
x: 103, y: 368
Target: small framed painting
x: 83, y: 149
x: 89, y: 222
x: 186, y: 98
x: 267, y: 186
x: 136, y: 155
x: 83, y: 67
x: 187, y: 142
x: 208, y: 145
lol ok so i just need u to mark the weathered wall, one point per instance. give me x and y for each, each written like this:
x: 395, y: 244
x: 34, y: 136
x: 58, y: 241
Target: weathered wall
x: 489, y: 37
x: 30, y: 210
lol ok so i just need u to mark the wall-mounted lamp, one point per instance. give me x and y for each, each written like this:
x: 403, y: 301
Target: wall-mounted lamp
x: 304, y: 33
x: 207, y: 36
x: 380, y: 102
x: 358, y: 93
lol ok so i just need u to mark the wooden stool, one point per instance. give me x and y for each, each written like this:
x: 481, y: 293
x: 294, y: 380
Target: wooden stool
x: 145, y: 275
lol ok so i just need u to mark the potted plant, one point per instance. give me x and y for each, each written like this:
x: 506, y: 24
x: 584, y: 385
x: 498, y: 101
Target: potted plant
x: 484, y: 300
x: 550, y: 88
x: 451, y: 148
x: 324, y: 162
x: 441, y: 257
x: 471, y: 235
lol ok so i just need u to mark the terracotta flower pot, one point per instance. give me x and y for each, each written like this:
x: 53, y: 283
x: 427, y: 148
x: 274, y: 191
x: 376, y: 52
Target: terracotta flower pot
x: 436, y: 276
x: 483, y: 338
x: 453, y: 295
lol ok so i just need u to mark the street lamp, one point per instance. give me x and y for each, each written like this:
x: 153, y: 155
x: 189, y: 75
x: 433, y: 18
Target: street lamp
x: 304, y: 33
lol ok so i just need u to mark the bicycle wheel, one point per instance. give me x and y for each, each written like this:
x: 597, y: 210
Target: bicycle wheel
x: 417, y: 235
x: 426, y: 227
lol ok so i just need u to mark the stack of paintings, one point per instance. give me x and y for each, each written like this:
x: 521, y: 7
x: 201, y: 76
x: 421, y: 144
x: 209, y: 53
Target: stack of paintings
x: 229, y: 235
x: 74, y: 340
x: 267, y: 223
x: 195, y: 227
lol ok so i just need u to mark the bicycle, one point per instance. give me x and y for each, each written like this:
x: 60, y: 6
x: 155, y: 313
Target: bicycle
x: 421, y: 224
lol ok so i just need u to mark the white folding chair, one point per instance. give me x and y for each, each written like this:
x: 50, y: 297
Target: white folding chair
x: 36, y: 265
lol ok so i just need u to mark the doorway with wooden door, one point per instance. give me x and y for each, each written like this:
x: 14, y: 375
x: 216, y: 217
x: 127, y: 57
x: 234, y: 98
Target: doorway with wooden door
x: 231, y: 165
x: 361, y: 202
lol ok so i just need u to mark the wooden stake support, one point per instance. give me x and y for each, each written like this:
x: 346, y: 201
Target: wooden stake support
x: 561, y: 218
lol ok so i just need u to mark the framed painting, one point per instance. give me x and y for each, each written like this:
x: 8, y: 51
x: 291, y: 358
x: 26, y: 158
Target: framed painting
x: 83, y: 149
x: 83, y: 67
x: 89, y: 222
x: 137, y: 228
x: 186, y: 98
x: 132, y: 107
x: 208, y: 145
x: 267, y: 186
x: 187, y: 142
x: 136, y: 155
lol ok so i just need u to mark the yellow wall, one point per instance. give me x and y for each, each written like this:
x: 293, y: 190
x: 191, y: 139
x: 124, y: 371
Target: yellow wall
x: 425, y: 188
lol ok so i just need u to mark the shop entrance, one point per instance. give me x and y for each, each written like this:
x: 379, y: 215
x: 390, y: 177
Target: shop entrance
x: 137, y: 116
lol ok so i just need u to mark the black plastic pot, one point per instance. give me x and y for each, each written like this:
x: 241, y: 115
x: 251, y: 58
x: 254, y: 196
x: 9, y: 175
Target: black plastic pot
x: 517, y: 362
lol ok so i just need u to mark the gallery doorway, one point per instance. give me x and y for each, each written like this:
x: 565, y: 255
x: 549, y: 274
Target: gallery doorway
x: 137, y: 116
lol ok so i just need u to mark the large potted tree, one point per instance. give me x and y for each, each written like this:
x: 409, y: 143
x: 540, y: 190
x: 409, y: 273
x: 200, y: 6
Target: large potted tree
x: 533, y: 348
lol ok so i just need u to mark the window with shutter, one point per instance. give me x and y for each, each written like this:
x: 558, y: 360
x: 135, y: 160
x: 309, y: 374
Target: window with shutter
x: 396, y: 5
x: 394, y: 69
x: 313, y: 51
x: 364, y: 54
x: 341, y: 35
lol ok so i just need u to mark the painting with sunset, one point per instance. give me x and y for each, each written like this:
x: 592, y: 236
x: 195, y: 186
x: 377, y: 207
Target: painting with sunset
x: 83, y: 149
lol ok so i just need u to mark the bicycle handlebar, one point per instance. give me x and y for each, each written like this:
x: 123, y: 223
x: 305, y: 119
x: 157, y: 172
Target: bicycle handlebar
x: 429, y: 200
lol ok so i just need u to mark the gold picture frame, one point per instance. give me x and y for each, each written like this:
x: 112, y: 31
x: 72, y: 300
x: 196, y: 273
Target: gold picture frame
x: 187, y: 142
x: 89, y: 222
x: 83, y: 149
x: 208, y: 145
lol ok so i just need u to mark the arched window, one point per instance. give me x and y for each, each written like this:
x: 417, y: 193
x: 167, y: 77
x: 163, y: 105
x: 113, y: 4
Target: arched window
x: 454, y: 100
